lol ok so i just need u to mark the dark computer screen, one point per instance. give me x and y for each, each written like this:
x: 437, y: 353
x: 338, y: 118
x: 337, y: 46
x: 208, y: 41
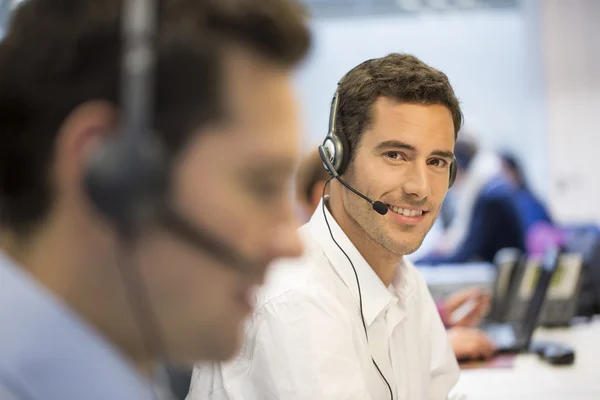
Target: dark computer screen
x: 547, y: 267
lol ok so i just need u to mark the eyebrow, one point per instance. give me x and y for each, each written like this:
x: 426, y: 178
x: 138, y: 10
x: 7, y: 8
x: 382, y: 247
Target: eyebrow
x: 271, y: 167
x: 396, y: 144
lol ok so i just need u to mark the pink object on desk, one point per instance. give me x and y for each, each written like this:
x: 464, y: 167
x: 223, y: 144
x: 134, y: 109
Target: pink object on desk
x: 542, y: 235
x: 499, y: 361
x: 442, y: 312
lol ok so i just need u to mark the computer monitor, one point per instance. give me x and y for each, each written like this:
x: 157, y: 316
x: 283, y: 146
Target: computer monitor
x: 546, y: 270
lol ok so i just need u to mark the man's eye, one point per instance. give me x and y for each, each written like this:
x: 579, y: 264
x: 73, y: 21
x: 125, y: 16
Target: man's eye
x: 267, y: 189
x: 393, y: 155
x: 438, y: 162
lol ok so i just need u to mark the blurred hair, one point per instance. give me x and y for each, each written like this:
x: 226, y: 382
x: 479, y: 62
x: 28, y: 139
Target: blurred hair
x: 465, y: 150
x: 511, y: 162
x: 309, y: 173
x: 58, y: 54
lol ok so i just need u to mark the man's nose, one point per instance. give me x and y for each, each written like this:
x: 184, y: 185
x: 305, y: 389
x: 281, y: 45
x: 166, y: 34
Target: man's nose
x: 416, y: 181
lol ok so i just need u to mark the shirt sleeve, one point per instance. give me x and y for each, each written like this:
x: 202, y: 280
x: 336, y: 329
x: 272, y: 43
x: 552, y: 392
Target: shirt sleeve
x: 299, y: 348
x: 442, y: 312
x: 6, y: 394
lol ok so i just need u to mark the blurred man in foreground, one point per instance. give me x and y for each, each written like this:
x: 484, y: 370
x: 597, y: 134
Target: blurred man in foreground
x: 88, y: 309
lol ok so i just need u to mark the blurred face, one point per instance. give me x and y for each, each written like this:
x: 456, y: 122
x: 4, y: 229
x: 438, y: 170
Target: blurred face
x: 510, y: 174
x: 233, y: 181
x: 402, y: 160
x: 310, y: 204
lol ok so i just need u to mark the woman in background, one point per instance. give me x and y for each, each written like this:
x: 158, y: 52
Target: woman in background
x: 530, y: 208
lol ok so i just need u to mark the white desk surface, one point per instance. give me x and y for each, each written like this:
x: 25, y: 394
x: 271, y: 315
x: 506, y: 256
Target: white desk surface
x: 533, y: 379
x: 445, y: 279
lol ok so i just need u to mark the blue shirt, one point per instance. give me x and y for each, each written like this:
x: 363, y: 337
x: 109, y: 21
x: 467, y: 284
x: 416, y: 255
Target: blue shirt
x: 531, y: 209
x: 495, y: 224
x: 48, y: 353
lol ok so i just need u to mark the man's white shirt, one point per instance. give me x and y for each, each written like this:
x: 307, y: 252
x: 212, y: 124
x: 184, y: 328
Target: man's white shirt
x: 306, y: 339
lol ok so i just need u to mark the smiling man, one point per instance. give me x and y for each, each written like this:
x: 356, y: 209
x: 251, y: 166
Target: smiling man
x: 352, y: 319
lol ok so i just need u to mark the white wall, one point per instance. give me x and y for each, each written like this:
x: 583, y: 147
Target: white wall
x: 486, y: 55
x: 571, y: 44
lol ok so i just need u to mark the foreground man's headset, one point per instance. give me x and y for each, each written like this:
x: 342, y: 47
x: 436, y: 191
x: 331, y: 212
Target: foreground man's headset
x: 129, y: 174
x: 335, y: 155
x: 128, y: 177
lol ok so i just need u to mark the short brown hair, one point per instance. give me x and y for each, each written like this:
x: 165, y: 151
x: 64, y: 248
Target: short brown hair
x: 58, y: 54
x: 309, y: 172
x: 402, y: 77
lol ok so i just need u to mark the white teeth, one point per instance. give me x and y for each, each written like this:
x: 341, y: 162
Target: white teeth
x: 406, y: 212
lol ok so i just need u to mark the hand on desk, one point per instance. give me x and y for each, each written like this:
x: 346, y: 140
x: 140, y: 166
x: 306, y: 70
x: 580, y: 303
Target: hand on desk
x: 470, y: 343
x: 476, y: 303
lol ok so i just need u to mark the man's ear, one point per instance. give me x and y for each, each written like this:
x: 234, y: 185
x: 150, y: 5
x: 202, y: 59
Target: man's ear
x: 84, y: 129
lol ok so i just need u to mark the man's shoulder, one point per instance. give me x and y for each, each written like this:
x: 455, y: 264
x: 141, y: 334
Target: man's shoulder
x: 6, y: 394
x: 308, y: 276
x: 12, y: 385
x: 415, y: 278
x: 299, y: 286
x: 497, y: 188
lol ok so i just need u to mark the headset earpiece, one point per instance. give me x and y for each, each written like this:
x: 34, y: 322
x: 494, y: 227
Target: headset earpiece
x: 336, y: 147
x: 125, y: 182
x: 128, y: 175
x: 335, y: 143
x: 453, y: 172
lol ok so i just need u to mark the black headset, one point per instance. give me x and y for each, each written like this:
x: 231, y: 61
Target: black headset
x: 128, y: 178
x: 335, y: 150
x: 128, y: 175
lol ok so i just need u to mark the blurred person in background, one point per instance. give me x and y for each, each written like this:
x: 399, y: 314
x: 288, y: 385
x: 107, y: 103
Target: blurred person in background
x: 488, y: 218
x: 85, y: 314
x: 530, y: 207
x: 352, y: 318
x: 458, y: 205
x: 467, y: 341
x: 311, y: 178
x: 538, y: 228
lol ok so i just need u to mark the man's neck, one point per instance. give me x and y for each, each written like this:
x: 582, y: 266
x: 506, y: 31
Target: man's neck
x: 381, y: 260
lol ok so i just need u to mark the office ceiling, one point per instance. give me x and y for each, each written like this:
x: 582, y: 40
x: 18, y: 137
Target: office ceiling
x: 340, y: 8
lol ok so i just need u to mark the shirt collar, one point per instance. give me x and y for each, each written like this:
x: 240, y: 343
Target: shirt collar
x: 375, y: 296
x: 48, y: 352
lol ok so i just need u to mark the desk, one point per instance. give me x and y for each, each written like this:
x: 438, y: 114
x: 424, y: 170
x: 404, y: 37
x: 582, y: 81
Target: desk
x: 533, y: 379
x: 445, y: 279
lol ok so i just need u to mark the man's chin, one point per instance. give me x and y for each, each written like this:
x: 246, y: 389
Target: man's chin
x: 404, y: 247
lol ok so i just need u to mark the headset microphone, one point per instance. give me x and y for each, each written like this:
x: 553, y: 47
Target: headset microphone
x: 378, y: 206
x: 203, y: 240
